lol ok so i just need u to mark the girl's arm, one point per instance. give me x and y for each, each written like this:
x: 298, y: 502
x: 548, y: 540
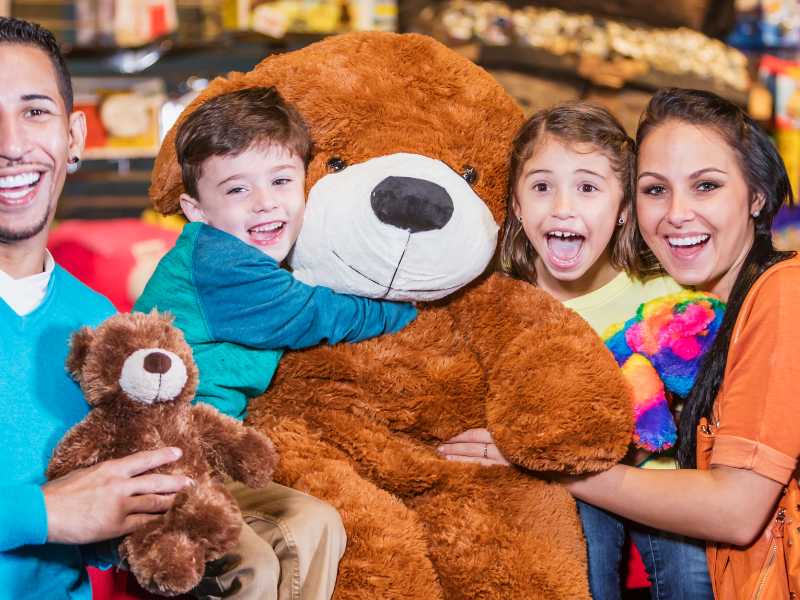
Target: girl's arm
x: 721, y: 505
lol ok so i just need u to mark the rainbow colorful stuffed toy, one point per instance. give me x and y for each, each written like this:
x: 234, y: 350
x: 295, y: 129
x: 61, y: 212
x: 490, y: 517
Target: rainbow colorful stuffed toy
x: 661, y: 348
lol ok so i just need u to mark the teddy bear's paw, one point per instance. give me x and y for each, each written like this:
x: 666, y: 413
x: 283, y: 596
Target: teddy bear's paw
x: 173, y: 565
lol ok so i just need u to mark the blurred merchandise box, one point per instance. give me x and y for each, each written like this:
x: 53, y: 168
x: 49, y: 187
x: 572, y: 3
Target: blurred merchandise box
x: 123, y: 115
x: 766, y: 24
x: 276, y: 18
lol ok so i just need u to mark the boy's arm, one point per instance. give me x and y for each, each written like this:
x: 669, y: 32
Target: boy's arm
x: 248, y: 299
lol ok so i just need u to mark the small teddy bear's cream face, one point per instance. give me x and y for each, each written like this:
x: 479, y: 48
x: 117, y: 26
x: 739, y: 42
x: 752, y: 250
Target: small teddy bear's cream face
x: 153, y: 375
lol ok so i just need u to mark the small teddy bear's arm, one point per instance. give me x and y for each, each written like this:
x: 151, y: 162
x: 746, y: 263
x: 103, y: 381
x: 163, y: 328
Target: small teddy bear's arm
x: 86, y: 444
x: 232, y: 449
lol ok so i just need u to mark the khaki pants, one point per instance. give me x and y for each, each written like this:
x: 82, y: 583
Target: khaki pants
x: 289, y: 549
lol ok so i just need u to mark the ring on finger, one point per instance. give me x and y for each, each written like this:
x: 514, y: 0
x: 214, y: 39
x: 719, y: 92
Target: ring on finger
x: 486, y: 451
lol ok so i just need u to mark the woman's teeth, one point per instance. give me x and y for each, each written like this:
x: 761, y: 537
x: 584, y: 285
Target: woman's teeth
x: 683, y: 242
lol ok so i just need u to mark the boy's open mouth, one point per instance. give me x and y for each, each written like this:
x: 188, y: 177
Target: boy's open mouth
x: 267, y: 233
x: 18, y: 189
x: 564, y: 247
x: 687, y: 246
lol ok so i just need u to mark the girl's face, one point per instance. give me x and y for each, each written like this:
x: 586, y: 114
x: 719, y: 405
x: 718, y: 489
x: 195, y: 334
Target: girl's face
x: 569, y: 199
x: 693, y: 205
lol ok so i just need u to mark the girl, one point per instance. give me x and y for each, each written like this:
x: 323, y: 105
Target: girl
x: 569, y: 230
x: 709, y: 185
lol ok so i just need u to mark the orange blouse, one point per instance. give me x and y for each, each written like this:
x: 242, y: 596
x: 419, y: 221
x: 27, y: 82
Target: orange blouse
x: 757, y: 421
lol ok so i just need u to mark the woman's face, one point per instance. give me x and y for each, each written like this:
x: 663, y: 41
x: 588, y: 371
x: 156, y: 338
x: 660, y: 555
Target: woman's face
x: 693, y: 205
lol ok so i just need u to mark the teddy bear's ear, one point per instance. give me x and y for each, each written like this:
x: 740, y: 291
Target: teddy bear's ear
x: 78, y: 349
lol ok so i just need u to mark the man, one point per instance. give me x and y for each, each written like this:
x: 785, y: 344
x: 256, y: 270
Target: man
x: 46, y: 528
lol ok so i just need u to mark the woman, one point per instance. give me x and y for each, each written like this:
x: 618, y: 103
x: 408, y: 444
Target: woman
x: 709, y: 184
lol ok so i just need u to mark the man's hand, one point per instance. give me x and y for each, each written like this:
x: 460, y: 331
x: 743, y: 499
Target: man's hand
x: 112, y: 498
x: 473, y: 445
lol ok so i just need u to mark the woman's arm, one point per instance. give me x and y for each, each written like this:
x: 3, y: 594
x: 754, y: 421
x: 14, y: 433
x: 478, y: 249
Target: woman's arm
x: 721, y: 505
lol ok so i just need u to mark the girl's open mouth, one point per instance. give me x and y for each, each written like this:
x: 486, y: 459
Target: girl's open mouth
x: 564, y: 248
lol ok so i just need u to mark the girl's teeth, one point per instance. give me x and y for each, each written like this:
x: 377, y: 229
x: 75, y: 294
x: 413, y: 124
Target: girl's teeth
x: 23, y: 179
x: 563, y: 234
x: 687, y: 241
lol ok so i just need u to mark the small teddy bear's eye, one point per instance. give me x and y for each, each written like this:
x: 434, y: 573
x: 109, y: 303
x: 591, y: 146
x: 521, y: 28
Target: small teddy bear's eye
x: 335, y: 164
x: 470, y: 174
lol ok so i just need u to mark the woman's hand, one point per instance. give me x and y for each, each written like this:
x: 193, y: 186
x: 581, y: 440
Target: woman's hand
x: 473, y: 445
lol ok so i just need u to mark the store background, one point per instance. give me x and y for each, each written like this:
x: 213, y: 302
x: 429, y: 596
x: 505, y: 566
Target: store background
x: 137, y: 63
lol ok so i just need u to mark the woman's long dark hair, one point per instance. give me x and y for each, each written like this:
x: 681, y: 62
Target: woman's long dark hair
x: 766, y: 177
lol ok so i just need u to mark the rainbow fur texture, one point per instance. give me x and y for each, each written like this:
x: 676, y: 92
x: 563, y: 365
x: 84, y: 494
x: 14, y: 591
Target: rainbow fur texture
x: 662, y: 347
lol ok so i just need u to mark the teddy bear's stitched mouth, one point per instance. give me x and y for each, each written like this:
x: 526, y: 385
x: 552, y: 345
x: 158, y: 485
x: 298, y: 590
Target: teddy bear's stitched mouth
x: 389, y: 287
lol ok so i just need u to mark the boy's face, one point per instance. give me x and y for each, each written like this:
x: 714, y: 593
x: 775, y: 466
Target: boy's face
x: 256, y: 196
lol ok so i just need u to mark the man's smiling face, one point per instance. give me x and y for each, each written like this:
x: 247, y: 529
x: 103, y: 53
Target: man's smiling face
x: 37, y: 136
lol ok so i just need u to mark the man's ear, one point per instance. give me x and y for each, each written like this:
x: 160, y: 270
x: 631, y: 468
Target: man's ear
x: 77, y: 134
x: 78, y: 350
x: 192, y: 210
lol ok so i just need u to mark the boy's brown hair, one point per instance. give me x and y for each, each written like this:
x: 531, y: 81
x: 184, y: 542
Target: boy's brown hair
x: 229, y: 124
x: 573, y: 123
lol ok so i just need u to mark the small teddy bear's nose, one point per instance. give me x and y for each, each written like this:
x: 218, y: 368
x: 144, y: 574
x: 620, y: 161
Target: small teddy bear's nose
x: 157, y: 362
x: 411, y: 204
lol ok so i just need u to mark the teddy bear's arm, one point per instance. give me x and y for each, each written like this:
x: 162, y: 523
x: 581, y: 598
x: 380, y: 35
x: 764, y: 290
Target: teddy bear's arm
x: 557, y: 400
x: 232, y: 449
x: 89, y: 442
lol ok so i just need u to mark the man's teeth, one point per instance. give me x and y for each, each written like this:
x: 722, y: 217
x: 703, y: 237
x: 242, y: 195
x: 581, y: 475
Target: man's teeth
x: 564, y: 234
x: 267, y: 228
x: 23, y: 179
x: 687, y: 241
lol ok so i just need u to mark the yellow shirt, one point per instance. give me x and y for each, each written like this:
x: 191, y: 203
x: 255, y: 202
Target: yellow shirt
x: 615, y: 303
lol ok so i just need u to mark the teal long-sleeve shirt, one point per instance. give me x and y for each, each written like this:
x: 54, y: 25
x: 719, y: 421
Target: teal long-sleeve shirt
x: 39, y: 402
x: 239, y: 310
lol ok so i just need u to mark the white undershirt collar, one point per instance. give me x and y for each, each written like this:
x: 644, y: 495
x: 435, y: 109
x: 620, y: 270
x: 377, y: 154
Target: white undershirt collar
x: 24, y: 295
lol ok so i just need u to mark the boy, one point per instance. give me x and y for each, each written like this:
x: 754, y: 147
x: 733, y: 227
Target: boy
x: 243, y: 157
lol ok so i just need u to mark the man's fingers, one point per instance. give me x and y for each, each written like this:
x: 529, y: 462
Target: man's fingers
x: 152, y: 504
x: 144, y: 461
x: 156, y: 483
x: 479, y: 436
x: 134, y: 522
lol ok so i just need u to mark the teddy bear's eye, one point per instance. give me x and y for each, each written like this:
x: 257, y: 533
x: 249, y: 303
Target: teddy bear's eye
x: 470, y: 174
x: 336, y: 164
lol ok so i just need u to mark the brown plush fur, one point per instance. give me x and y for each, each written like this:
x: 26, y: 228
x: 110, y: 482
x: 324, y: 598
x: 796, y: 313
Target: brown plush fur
x: 357, y: 424
x: 168, y: 555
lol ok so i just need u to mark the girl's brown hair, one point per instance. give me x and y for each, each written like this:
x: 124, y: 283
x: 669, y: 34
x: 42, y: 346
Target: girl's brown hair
x: 573, y: 123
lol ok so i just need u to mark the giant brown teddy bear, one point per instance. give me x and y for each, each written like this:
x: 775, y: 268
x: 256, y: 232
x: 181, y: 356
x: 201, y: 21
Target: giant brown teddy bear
x: 407, y: 186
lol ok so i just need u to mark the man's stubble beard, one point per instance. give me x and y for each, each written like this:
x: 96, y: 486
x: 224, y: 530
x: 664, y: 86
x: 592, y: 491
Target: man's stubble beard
x: 9, y: 236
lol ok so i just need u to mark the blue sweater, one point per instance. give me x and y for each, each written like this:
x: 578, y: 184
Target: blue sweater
x: 39, y: 402
x: 239, y: 310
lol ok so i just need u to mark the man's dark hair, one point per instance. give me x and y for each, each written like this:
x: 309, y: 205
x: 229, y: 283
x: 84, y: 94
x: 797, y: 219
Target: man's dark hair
x: 17, y: 31
x: 229, y: 124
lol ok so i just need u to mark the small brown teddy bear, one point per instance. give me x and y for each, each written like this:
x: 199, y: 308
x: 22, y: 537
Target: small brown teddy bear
x: 137, y: 373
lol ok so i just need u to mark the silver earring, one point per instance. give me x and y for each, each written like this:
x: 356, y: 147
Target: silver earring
x: 755, y: 213
x: 621, y: 221
x: 73, y: 165
x: 520, y: 220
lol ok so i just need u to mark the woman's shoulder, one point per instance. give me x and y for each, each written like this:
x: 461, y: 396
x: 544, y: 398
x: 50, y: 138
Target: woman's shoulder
x: 779, y: 280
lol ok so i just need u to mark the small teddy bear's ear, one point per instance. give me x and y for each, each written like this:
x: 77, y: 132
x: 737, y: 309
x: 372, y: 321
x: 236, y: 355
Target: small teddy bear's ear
x: 78, y: 349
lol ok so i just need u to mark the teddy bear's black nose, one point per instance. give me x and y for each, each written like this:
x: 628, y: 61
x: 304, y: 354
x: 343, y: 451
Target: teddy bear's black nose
x: 412, y: 204
x: 157, y: 362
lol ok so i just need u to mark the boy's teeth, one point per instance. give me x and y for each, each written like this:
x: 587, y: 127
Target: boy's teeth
x: 687, y: 241
x: 266, y: 228
x: 23, y: 179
